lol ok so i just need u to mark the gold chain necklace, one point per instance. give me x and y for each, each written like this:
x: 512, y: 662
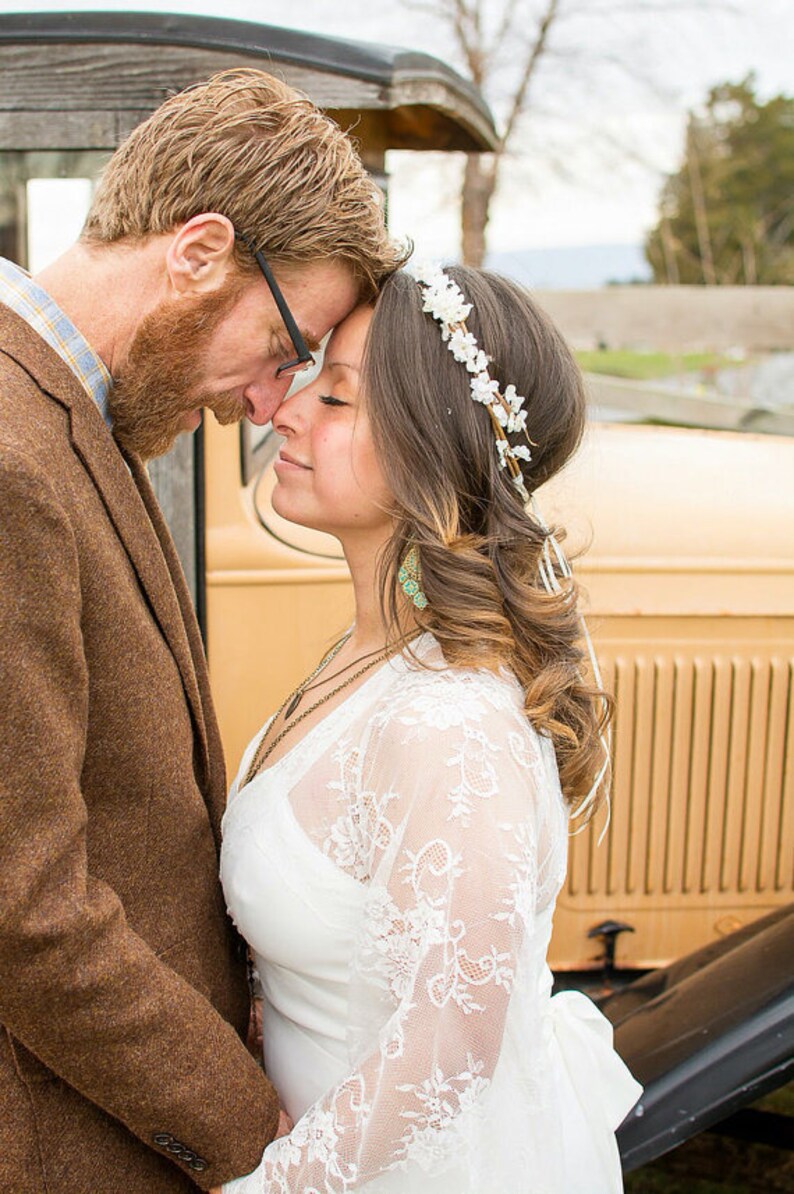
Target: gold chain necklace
x: 307, y: 685
x: 263, y: 752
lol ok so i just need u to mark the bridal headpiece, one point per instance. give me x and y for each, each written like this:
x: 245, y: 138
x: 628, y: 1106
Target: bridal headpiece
x: 444, y: 300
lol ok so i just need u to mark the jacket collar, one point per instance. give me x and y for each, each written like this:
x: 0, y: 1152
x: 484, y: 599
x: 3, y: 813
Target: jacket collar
x: 126, y: 494
x: 21, y: 292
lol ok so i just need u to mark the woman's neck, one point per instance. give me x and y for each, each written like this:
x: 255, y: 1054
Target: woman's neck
x: 362, y: 557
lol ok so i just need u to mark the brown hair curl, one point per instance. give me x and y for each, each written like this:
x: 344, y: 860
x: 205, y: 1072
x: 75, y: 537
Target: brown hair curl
x: 248, y: 146
x: 478, y: 546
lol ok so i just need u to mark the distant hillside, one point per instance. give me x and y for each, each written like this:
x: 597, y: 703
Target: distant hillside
x: 580, y: 267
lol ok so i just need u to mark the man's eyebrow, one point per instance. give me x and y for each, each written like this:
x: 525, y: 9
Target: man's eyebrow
x: 281, y: 343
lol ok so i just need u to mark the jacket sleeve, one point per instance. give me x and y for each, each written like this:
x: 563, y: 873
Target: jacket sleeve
x: 78, y: 988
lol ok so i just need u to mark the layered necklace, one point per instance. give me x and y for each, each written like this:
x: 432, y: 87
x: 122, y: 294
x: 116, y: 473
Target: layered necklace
x: 290, y: 705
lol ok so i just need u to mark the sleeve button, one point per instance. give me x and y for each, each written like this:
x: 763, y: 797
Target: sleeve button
x: 198, y: 1165
x: 163, y: 1138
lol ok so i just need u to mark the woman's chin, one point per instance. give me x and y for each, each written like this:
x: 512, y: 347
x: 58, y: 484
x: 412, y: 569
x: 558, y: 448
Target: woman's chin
x: 290, y: 513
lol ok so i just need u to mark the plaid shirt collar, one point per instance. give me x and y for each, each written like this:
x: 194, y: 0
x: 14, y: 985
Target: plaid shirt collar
x: 24, y: 296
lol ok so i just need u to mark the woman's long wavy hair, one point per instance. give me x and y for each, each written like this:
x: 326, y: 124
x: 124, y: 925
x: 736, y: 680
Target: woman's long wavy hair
x: 479, y: 548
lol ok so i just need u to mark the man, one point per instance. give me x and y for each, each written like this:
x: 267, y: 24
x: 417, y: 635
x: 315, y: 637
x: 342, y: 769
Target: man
x: 122, y: 984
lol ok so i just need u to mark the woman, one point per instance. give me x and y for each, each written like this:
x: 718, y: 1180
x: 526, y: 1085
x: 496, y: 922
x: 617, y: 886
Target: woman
x: 396, y: 836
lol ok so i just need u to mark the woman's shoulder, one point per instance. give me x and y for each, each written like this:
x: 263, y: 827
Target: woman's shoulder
x: 464, y: 728
x: 427, y: 689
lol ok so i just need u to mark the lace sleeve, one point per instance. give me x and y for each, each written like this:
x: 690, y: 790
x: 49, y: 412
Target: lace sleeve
x: 450, y: 785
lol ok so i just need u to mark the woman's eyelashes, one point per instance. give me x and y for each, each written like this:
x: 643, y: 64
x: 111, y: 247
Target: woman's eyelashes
x: 331, y: 400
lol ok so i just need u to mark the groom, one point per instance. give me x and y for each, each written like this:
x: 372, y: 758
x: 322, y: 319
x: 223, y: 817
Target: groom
x: 123, y: 997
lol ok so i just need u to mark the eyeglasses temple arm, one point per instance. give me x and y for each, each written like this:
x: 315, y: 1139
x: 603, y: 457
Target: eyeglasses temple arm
x: 283, y: 309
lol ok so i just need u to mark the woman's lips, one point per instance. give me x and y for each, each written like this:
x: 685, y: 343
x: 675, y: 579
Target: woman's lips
x: 285, y: 461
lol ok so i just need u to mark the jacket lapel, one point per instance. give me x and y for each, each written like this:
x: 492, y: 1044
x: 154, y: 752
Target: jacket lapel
x: 217, y: 773
x: 126, y: 493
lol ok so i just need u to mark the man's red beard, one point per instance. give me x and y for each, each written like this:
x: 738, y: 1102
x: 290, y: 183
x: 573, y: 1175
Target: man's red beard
x: 160, y: 381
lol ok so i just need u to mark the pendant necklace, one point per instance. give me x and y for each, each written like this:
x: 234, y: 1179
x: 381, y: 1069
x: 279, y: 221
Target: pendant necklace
x: 296, y: 697
x: 307, y: 686
x: 293, y: 700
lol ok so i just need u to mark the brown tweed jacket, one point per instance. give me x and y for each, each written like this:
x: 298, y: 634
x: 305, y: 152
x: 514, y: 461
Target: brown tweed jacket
x: 122, y: 987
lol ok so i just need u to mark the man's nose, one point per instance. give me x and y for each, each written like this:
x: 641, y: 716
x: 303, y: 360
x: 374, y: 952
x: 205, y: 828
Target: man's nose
x: 262, y: 399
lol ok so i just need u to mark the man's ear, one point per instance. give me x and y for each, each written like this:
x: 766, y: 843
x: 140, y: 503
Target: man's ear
x: 199, y: 255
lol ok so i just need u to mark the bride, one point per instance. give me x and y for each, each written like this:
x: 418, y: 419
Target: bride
x: 396, y: 836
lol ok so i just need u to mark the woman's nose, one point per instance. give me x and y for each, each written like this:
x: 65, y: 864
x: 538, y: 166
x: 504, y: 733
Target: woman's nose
x: 291, y: 414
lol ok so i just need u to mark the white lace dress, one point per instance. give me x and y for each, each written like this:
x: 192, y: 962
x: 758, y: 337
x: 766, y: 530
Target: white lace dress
x: 395, y: 875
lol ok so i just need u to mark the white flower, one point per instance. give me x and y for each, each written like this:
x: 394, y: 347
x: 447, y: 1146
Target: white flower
x: 445, y: 302
x: 483, y: 389
x: 479, y: 361
x: 501, y: 415
x: 513, y: 399
x: 502, y: 447
x: 463, y: 346
x: 522, y: 452
x: 517, y: 422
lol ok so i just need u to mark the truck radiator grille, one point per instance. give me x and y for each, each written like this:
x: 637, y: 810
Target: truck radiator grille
x: 703, y: 784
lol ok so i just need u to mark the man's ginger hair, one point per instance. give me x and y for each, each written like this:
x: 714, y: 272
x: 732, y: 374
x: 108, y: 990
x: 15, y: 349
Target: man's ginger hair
x: 248, y: 146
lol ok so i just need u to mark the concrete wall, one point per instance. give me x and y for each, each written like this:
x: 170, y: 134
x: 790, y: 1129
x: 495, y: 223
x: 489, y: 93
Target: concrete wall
x: 675, y: 318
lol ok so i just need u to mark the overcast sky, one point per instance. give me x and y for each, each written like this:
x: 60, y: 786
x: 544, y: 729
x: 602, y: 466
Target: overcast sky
x: 564, y: 187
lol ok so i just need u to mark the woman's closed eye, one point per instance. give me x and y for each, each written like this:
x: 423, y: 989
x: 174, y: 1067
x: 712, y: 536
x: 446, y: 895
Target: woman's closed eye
x: 331, y: 400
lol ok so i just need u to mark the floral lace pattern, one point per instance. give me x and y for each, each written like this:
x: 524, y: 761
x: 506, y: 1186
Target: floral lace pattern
x: 443, y: 803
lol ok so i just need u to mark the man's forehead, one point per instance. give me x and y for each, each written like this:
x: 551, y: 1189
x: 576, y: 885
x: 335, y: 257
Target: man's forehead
x: 317, y: 281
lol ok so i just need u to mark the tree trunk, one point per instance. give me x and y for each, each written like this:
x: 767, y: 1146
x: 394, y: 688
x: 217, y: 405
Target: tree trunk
x: 699, y: 208
x: 749, y: 261
x: 668, y: 249
x: 479, y: 184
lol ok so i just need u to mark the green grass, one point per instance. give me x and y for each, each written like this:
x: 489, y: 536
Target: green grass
x: 645, y: 366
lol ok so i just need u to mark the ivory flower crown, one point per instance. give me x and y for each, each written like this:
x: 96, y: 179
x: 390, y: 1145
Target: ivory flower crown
x: 444, y: 300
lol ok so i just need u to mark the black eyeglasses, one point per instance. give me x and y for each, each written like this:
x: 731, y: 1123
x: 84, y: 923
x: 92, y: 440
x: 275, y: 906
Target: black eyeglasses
x: 304, y: 358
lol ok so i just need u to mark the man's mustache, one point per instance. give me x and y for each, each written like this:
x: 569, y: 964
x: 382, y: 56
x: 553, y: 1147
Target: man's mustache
x: 227, y: 408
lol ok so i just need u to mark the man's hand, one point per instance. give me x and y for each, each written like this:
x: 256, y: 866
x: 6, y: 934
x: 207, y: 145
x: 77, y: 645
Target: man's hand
x: 285, y: 1126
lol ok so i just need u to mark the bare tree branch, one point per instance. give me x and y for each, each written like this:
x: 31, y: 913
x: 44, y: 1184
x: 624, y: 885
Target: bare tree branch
x: 506, y: 24
x: 505, y: 45
x: 544, y: 28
